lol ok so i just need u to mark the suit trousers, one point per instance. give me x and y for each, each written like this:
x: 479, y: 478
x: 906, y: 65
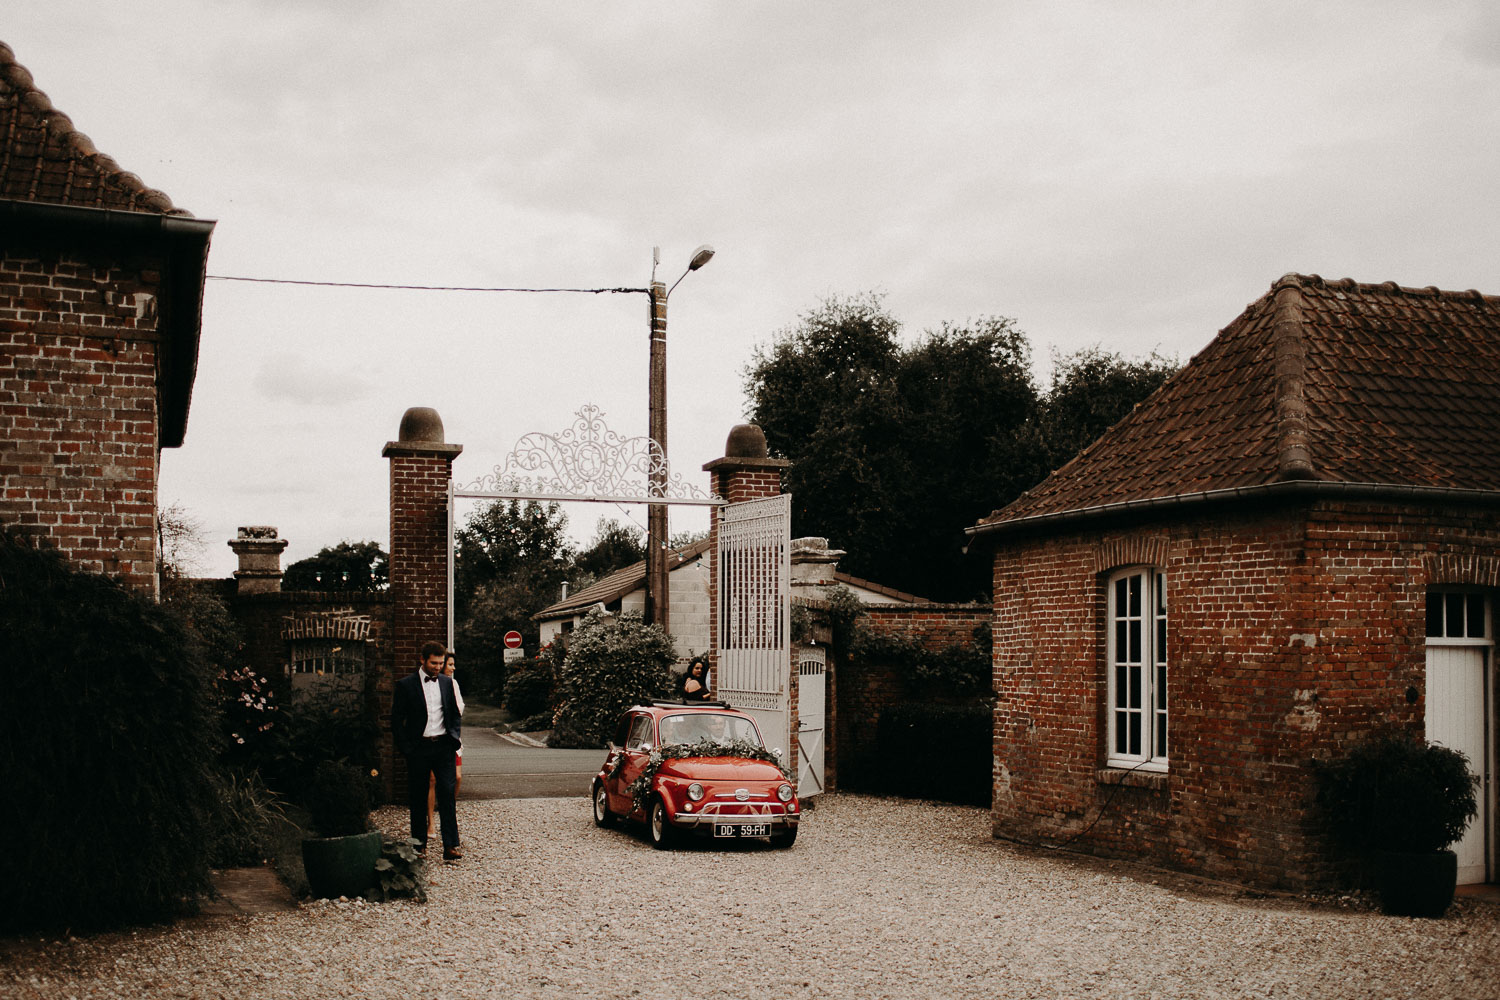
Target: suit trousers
x: 433, y: 757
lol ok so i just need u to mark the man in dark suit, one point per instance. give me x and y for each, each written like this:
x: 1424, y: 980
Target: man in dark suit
x: 425, y: 725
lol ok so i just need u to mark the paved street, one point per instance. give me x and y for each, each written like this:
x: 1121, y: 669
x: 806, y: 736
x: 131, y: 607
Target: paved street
x: 496, y: 768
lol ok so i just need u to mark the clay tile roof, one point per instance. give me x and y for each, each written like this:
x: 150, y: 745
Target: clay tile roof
x: 1331, y: 381
x: 45, y: 159
x: 616, y: 585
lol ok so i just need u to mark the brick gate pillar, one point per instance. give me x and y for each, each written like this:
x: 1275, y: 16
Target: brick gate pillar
x: 421, y: 468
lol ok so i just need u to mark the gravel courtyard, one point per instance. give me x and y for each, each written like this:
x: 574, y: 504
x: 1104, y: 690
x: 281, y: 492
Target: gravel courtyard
x: 879, y: 898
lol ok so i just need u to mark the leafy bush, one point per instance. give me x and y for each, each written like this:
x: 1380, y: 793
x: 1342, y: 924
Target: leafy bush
x: 529, y: 690
x: 1396, y: 792
x: 248, y: 821
x: 942, y: 752
x: 107, y: 740
x: 338, y: 797
x: 318, y: 725
x: 613, y: 662
x: 400, y: 873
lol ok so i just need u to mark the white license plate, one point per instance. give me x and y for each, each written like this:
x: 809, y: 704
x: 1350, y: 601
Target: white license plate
x: 742, y: 829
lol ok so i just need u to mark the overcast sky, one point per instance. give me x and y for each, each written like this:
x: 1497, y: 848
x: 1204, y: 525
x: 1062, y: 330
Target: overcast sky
x: 1123, y: 174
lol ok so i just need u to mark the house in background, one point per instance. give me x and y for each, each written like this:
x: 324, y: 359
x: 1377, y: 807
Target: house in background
x: 625, y: 590
x: 101, y: 287
x: 1293, y: 543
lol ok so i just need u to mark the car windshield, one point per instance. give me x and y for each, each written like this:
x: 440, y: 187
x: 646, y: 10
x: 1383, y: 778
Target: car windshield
x: 695, y: 726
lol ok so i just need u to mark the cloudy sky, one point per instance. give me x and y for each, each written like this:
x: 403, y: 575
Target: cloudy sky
x: 1127, y: 174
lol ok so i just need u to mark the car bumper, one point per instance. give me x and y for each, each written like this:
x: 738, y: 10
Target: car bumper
x: 776, y: 816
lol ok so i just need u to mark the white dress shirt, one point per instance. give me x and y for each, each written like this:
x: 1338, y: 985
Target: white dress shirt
x: 433, y: 693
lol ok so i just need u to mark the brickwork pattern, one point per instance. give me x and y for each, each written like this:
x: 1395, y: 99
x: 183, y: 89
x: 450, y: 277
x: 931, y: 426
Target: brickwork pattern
x: 78, y: 408
x: 418, y: 569
x: 866, y: 690
x: 1290, y: 629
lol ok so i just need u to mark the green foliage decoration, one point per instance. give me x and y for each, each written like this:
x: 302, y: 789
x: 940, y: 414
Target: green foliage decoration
x: 612, y: 662
x: 338, y: 798
x: 640, y: 788
x: 1396, y: 792
x: 110, y: 787
x: 399, y: 873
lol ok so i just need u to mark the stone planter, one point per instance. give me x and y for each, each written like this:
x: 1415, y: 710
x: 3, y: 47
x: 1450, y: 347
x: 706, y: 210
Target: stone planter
x: 341, y: 866
x: 1416, y: 885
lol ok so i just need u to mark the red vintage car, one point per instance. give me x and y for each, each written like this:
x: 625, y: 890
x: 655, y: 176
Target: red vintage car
x: 696, y: 768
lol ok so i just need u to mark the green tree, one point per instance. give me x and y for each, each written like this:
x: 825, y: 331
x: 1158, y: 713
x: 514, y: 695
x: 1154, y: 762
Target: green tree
x: 896, y: 449
x: 510, y: 559
x: 1092, y: 390
x: 613, y: 547
x: 348, y: 567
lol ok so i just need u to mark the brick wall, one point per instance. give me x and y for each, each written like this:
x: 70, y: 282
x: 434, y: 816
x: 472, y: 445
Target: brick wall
x: 79, y: 408
x: 866, y: 689
x: 1289, y: 629
x: 262, y: 618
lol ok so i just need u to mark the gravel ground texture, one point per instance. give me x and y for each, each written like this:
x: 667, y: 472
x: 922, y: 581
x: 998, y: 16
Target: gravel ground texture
x: 879, y: 898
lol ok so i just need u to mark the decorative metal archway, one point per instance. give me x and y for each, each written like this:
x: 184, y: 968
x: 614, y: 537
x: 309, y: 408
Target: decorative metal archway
x: 587, y: 462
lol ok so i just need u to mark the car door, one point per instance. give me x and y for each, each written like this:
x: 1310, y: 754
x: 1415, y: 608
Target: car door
x: 638, y: 745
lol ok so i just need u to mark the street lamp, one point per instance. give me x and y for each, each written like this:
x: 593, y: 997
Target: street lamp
x: 657, y: 593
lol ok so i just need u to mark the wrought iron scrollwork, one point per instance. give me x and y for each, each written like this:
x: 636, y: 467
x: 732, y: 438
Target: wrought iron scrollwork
x: 587, y: 461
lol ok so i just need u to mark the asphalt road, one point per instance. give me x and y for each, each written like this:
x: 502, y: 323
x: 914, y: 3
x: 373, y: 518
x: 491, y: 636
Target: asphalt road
x: 496, y: 768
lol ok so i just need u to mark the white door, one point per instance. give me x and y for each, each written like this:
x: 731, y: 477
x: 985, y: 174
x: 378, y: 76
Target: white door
x: 812, y: 693
x: 1458, y: 700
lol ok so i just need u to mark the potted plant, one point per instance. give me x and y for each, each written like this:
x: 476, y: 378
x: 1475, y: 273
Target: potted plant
x: 340, y: 861
x: 1400, y: 802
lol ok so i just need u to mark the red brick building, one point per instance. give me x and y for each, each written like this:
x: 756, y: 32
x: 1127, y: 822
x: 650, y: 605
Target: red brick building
x: 101, y: 285
x: 1295, y: 541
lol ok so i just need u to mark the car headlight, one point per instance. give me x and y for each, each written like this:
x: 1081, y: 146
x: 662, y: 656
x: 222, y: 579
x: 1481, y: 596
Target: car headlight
x: 784, y: 793
x: 695, y: 791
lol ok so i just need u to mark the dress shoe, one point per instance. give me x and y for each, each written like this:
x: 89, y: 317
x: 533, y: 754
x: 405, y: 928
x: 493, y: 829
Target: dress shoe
x: 452, y: 854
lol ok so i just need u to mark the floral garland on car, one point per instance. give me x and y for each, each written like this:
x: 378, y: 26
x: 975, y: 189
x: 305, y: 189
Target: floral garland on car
x: 640, y: 788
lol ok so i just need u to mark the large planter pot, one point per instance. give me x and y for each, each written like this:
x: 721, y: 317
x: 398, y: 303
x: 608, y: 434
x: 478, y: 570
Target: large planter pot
x: 1416, y: 885
x: 341, y: 866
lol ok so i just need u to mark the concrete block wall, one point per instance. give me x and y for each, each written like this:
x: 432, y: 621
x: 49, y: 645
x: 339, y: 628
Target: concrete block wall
x: 79, y: 408
x: 1290, y: 630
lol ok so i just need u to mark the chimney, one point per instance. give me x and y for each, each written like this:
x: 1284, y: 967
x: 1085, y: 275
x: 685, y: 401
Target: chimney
x: 564, y: 596
x: 260, y: 559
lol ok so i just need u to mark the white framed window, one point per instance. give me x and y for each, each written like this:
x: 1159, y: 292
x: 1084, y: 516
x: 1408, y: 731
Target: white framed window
x: 1137, y: 664
x: 1458, y: 618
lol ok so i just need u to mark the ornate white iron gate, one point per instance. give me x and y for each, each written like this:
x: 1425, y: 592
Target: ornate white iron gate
x: 755, y: 541
x: 812, y: 694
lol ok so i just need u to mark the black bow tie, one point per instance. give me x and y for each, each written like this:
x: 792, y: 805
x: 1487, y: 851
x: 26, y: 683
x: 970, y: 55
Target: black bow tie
x: 429, y: 680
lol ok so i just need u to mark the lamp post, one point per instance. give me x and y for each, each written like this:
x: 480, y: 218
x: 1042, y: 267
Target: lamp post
x: 658, y: 596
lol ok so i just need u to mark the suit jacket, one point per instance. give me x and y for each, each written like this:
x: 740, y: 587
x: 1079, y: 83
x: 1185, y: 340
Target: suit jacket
x: 409, y: 711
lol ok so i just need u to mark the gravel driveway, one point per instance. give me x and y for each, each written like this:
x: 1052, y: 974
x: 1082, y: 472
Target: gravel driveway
x: 879, y: 898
